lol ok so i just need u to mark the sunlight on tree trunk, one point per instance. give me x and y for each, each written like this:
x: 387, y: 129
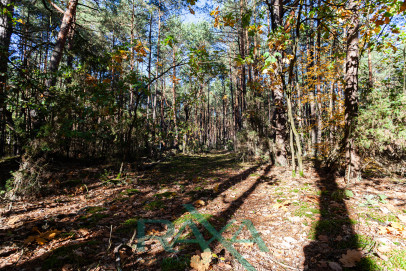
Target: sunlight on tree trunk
x: 351, y: 94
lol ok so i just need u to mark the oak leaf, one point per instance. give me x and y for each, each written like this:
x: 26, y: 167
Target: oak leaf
x: 351, y: 258
x: 202, y: 262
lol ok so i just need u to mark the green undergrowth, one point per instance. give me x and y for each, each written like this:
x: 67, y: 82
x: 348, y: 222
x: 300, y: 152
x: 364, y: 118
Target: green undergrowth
x: 175, y: 263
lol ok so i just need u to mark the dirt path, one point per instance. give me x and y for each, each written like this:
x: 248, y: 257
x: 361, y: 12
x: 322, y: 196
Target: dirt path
x: 305, y: 223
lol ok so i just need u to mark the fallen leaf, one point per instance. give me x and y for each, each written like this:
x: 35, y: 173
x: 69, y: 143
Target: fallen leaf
x: 351, y: 258
x: 83, y: 232
x: 49, y: 235
x: 199, y: 203
x: 202, y: 262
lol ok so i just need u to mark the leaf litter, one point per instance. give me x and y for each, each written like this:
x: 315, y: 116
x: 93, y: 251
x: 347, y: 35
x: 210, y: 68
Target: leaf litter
x: 290, y: 214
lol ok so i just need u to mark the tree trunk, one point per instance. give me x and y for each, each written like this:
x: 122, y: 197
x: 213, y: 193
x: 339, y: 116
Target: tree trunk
x: 174, y: 99
x: 279, y: 118
x: 6, y: 28
x: 57, y: 54
x: 351, y: 93
x: 370, y: 78
x: 404, y: 70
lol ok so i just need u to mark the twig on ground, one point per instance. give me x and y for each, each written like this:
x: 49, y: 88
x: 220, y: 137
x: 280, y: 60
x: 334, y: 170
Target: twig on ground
x: 111, y: 230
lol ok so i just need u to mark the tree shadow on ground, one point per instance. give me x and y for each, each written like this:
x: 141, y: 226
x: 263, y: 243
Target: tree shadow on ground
x: 93, y: 248
x: 219, y: 221
x: 334, y: 233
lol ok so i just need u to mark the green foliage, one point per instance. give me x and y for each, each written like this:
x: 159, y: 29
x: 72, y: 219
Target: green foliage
x: 369, y: 200
x: 175, y: 263
x: 383, y: 127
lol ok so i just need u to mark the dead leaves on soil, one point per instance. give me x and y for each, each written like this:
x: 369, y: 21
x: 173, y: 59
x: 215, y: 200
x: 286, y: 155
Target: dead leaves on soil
x: 202, y: 262
x: 394, y: 228
x: 351, y: 258
x: 43, y: 237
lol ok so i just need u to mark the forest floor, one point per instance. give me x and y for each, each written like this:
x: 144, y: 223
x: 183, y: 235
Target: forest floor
x: 310, y: 223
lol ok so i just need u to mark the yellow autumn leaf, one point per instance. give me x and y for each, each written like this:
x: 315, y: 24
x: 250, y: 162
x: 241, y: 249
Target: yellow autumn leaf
x: 49, y: 235
x: 199, y: 203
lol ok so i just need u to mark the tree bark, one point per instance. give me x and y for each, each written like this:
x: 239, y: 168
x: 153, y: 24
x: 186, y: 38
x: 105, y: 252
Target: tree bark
x: 174, y: 99
x: 351, y: 93
x: 370, y: 77
x: 6, y: 29
x: 279, y: 118
x: 57, y: 54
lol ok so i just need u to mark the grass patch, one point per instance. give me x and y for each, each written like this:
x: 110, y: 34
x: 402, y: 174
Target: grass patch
x: 375, y: 216
x: 305, y: 210
x: 397, y: 259
x: 154, y: 205
x: 128, y: 226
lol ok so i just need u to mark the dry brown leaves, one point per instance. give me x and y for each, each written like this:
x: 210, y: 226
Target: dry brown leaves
x: 394, y: 228
x: 351, y: 258
x: 42, y: 238
x: 202, y: 262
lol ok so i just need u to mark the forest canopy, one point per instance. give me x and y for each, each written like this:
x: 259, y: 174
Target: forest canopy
x: 274, y: 80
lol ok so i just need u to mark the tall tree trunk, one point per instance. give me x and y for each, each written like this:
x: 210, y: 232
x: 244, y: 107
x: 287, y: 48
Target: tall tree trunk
x: 174, y: 99
x: 149, y: 66
x: 404, y: 69
x: 351, y: 93
x: 370, y: 77
x: 318, y: 88
x: 279, y: 117
x: 6, y: 28
x: 57, y: 54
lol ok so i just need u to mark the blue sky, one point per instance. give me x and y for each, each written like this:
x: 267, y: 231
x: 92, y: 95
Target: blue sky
x: 199, y: 15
